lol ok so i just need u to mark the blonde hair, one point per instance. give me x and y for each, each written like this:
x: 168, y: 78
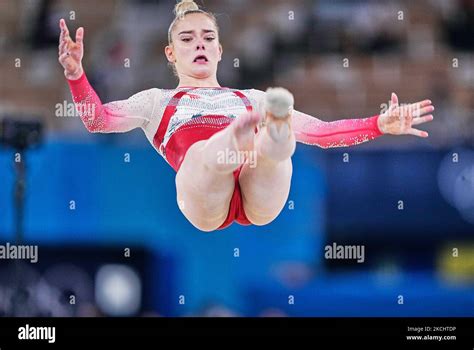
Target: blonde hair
x: 185, y: 7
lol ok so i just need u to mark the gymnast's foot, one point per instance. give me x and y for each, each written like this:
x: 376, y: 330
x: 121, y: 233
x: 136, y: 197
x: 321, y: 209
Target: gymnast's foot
x: 277, y: 141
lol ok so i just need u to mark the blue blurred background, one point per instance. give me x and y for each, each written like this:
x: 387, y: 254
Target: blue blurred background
x: 102, y: 208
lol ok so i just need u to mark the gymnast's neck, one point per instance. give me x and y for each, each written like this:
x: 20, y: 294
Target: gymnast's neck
x: 189, y: 81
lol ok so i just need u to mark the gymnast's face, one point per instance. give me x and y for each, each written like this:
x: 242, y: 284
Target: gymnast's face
x: 195, y: 48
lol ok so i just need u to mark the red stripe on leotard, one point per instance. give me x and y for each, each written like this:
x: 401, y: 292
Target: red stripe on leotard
x: 170, y: 110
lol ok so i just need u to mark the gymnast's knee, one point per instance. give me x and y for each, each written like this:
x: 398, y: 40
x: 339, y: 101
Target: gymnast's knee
x: 260, y: 219
x: 206, y: 226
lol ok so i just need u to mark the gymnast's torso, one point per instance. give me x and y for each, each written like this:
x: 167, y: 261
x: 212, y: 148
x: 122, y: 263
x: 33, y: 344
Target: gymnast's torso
x: 187, y: 115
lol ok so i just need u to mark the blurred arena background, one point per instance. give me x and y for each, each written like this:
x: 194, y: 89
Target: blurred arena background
x: 102, y: 208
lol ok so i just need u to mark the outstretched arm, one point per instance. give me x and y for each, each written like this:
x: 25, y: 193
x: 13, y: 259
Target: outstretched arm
x: 339, y: 133
x: 118, y: 116
x: 397, y: 120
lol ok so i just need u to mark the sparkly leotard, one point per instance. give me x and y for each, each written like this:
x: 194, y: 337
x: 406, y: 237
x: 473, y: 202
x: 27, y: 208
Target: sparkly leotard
x: 173, y: 120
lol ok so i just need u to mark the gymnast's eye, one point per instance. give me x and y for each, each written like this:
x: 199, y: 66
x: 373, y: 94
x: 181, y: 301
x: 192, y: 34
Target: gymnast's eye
x: 186, y: 39
x: 210, y: 38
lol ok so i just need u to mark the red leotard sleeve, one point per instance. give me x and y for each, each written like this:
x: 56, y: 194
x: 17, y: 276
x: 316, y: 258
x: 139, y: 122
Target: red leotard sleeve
x: 340, y: 133
x: 117, y: 116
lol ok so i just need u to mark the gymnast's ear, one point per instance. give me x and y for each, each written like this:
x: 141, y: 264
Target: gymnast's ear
x: 169, y: 52
x: 221, y: 50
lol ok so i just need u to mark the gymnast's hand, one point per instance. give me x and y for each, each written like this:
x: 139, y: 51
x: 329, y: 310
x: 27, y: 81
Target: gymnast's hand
x: 399, y: 120
x: 70, y: 52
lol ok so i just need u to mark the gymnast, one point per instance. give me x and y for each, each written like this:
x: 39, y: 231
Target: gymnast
x: 231, y: 149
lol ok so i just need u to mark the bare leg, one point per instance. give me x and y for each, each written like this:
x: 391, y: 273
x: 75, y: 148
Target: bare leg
x: 266, y: 186
x: 204, y: 182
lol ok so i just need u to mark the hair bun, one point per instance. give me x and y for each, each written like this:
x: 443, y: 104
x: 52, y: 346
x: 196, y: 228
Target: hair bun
x: 184, y: 6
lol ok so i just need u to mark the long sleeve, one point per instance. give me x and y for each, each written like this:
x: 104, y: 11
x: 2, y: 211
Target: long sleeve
x: 117, y: 116
x: 339, y: 133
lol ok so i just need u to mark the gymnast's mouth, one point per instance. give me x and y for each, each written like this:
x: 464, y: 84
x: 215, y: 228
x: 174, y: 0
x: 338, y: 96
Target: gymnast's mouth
x: 201, y: 59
